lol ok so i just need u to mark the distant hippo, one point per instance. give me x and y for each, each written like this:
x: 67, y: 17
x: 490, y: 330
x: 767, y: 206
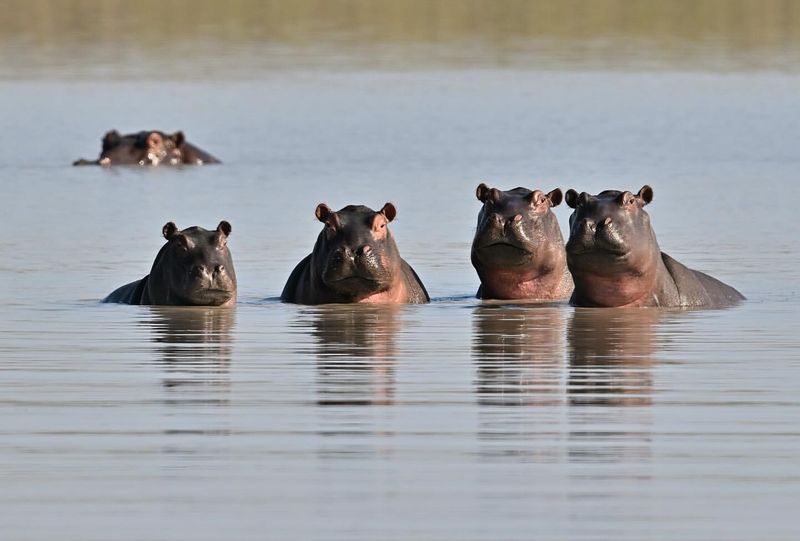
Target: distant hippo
x: 355, y: 259
x: 518, y: 250
x: 194, y: 268
x: 148, y: 148
x: 615, y: 260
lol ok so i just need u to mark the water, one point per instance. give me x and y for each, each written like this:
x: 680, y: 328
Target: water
x: 455, y: 420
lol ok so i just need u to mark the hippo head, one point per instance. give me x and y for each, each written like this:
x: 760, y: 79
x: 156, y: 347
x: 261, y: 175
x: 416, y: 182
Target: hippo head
x: 516, y: 229
x: 143, y: 148
x: 194, y: 267
x: 355, y: 255
x: 611, y: 240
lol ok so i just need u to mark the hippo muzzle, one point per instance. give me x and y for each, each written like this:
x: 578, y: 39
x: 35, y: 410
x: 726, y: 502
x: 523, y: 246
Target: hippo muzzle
x: 207, y: 285
x: 355, y: 271
x: 601, y: 236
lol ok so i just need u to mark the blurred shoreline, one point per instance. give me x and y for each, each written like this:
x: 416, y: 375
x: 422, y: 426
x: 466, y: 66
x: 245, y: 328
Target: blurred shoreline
x: 183, y: 39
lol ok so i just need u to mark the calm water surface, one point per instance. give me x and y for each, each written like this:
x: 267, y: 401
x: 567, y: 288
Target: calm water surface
x: 456, y: 420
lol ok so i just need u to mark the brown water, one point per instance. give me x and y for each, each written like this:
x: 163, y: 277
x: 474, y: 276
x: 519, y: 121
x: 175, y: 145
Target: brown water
x: 456, y: 420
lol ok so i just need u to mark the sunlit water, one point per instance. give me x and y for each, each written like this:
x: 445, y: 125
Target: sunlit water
x: 456, y: 420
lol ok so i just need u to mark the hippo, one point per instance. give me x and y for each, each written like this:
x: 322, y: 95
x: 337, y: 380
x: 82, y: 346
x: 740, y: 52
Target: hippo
x: 148, y: 148
x: 194, y: 268
x: 518, y: 250
x: 355, y: 260
x: 615, y: 260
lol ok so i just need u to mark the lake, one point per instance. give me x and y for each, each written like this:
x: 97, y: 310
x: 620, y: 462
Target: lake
x: 455, y: 420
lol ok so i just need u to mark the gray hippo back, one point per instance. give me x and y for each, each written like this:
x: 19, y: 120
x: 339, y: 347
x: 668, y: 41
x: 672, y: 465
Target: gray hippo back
x: 193, y: 268
x: 615, y: 259
x: 354, y: 260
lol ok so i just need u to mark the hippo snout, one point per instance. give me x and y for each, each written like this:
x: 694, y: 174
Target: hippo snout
x: 512, y: 224
x: 341, y: 257
x: 345, y: 254
x: 199, y: 272
x: 587, y: 226
x: 582, y: 238
x: 207, y: 276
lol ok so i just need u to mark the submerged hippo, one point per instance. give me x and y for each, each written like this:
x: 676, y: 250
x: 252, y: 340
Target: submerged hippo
x: 148, y: 148
x: 615, y: 260
x: 194, y: 268
x: 518, y: 250
x: 355, y: 259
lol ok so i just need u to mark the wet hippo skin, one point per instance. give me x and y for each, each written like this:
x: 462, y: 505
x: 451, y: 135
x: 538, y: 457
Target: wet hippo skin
x: 193, y: 268
x: 355, y: 259
x: 148, y: 148
x: 518, y: 251
x: 615, y: 259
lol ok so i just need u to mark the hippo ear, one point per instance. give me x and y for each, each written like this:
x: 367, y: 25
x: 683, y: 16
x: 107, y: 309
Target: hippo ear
x: 111, y: 139
x: 555, y: 197
x: 169, y: 230
x: 571, y: 197
x: 390, y: 211
x: 645, y: 195
x: 222, y: 232
x: 154, y: 139
x: 538, y: 198
x: 482, y: 192
x: 224, y: 228
x: 178, y: 138
x: 324, y: 213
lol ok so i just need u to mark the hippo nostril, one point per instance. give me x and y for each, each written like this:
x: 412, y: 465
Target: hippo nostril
x: 219, y: 269
x: 197, y: 271
x: 518, y: 218
x: 607, y: 221
x: 364, y: 250
x: 344, y: 253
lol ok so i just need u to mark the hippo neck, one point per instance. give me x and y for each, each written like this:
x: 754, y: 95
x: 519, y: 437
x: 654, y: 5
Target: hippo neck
x: 156, y: 292
x: 543, y: 277
x: 555, y: 284
x: 397, y: 293
x: 634, y: 288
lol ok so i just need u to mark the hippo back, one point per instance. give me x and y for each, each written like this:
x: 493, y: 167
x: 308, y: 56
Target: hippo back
x: 417, y: 294
x: 698, y: 289
x: 131, y: 293
x: 192, y: 155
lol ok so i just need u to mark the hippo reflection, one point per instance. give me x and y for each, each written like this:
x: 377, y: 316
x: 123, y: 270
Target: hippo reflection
x: 355, y: 354
x: 195, y: 347
x: 148, y: 148
x: 615, y: 260
x: 519, y: 354
x: 610, y: 355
